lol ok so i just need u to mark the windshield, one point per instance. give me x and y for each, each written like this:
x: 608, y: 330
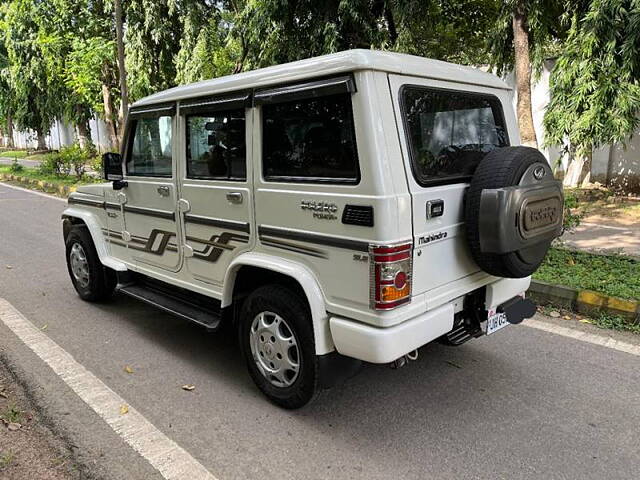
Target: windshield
x: 450, y: 132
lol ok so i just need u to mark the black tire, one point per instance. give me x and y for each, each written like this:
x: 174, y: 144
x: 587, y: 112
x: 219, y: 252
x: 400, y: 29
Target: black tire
x: 500, y: 168
x: 289, y: 306
x: 101, y: 280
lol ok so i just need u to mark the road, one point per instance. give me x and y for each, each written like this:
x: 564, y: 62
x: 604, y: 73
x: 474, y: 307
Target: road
x: 25, y: 162
x: 521, y: 404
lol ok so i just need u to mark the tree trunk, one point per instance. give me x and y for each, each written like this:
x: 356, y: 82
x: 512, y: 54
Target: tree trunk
x: 124, y: 94
x: 523, y: 76
x: 83, y: 131
x: 391, y: 24
x: 579, y: 169
x: 107, y: 101
x: 10, y: 143
x: 42, y: 143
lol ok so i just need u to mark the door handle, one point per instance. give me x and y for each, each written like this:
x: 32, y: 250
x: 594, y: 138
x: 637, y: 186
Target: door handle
x: 234, y: 197
x: 164, y: 191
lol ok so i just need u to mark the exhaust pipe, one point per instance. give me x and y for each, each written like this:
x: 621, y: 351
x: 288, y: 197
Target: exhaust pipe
x: 403, y: 360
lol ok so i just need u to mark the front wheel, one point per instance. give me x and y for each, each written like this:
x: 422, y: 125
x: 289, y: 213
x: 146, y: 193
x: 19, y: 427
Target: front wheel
x: 92, y: 280
x: 276, y: 337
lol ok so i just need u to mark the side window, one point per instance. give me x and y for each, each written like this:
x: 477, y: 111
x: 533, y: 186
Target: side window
x: 216, y: 145
x: 450, y: 132
x: 310, y: 140
x: 150, y: 150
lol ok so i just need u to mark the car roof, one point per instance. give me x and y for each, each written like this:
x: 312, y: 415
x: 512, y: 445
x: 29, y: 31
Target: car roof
x: 327, y: 65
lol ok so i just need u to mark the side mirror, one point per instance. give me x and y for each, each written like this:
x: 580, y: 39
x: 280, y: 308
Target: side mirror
x: 112, y: 166
x: 112, y: 169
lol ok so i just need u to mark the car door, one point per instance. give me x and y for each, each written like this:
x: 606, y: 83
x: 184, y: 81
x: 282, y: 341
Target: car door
x: 215, y: 198
x: 149, y: 199
x: 445, y: 130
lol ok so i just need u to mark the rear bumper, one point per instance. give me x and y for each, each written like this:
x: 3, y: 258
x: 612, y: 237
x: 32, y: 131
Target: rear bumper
x: 384, y: 345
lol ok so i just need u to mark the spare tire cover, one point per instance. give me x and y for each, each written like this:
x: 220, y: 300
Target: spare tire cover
x: 513, y: 210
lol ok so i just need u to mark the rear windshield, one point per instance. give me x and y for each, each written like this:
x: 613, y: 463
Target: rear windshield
x: 450, y: 132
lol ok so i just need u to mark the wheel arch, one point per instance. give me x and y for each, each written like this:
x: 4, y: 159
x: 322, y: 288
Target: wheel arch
x: 291, y: 274
x: 74, y: 216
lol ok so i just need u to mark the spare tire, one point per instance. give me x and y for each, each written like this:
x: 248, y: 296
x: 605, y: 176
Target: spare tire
x: 513, y: 210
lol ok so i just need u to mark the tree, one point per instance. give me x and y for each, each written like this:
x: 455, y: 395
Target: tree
x: 122, y: 72
x: 6, y: 96
x: 278, y: 32
x: 37, y: 94
x: 595, y: 84
x: 525, y: 34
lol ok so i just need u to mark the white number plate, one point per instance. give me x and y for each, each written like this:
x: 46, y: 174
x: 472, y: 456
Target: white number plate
x: 495, y: 322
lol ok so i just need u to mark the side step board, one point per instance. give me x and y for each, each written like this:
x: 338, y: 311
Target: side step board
x: 208, y: 318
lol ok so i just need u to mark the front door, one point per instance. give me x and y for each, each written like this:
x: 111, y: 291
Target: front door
x: 150, y: 228
x: 215, y: 199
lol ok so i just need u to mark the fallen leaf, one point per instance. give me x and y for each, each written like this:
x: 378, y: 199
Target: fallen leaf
x: 554, y: 314
x: 124, y: 409
x: 571, y: 261
x: 128, y: 369
x: 9, y: 267
x: 584, y: 320
x: 188, y: 387
x: 14, y: 426
x: 3, y: 395
x: 44, y: 327
x: 453, y: 364
x: 566, y: 317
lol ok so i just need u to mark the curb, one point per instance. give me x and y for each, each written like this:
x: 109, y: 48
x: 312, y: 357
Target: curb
x: 62, y: 190
x: 584, y: 301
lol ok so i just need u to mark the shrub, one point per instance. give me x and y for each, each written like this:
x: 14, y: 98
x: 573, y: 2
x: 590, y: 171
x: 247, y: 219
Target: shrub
x: 571, y: 218
x: 15, y: 166
x: 71, y: 160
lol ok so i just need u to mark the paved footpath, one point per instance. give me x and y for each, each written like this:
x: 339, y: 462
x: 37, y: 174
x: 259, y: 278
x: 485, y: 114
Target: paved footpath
x: 604, y: 236
x: 550, y: 399
x: 25, y: 162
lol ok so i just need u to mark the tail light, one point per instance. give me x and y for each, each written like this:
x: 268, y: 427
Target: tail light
x: 391, y: 270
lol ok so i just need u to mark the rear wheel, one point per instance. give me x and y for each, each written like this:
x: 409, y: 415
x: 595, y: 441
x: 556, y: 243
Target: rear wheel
x: 276, y: 337
x: 92, y: 280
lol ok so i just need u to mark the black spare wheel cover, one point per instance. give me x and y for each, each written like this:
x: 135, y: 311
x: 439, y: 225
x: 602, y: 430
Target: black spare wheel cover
x: 513, y: 210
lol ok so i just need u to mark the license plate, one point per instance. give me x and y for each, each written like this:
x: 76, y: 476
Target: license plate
x: 495, y: 322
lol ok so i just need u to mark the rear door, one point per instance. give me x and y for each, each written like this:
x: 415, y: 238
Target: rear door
x: 215, y: 199
x: 149, y: 199
x: 445, y: 130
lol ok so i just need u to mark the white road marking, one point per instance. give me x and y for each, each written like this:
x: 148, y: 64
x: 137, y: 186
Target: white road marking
x: 42, y: 194
x: 166, y: 456
x: 602, y: 340
x: 610, y: 227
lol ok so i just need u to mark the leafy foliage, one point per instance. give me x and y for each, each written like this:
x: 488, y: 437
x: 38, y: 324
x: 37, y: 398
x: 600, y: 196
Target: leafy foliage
x: 595, y: 89
x: 71, y: 160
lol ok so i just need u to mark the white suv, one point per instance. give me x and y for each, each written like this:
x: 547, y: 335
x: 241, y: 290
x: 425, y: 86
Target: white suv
x: 340, y: 209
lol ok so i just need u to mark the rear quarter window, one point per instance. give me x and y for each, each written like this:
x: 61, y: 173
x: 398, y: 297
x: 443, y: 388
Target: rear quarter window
x: 310, y: 140
x: 449, y: 132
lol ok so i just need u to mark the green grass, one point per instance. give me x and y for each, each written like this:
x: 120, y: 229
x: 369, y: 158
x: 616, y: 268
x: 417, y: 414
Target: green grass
x: 614, y: 322
x: 56, y: 179
x: 11, y: 414
x: 613, y: 275
x: 14, y: 154
x: 5, y: 459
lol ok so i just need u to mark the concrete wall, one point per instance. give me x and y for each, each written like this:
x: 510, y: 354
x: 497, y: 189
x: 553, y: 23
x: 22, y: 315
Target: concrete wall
x: 61, y: 134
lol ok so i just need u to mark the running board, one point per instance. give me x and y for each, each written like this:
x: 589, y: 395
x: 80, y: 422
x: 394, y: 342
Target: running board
x: 209, y: 318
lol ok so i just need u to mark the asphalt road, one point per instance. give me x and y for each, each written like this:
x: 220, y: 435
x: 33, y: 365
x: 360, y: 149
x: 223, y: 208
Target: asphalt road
x: 522, y: 403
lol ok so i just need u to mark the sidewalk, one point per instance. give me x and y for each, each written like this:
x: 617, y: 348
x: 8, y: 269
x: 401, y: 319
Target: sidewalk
x: 605, y: 236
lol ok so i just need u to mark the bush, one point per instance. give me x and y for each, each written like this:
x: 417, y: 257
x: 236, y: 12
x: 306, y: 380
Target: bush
x: 15, y: 166
x: 71, y: 160
x: 571, y: 218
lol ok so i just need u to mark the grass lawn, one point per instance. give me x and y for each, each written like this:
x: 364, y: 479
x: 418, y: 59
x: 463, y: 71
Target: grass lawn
x: 56, y: 179
x: 14, y: 154
x: 613, y: 275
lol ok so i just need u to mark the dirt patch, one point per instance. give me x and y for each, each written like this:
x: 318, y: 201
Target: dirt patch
x: 28, y: 449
